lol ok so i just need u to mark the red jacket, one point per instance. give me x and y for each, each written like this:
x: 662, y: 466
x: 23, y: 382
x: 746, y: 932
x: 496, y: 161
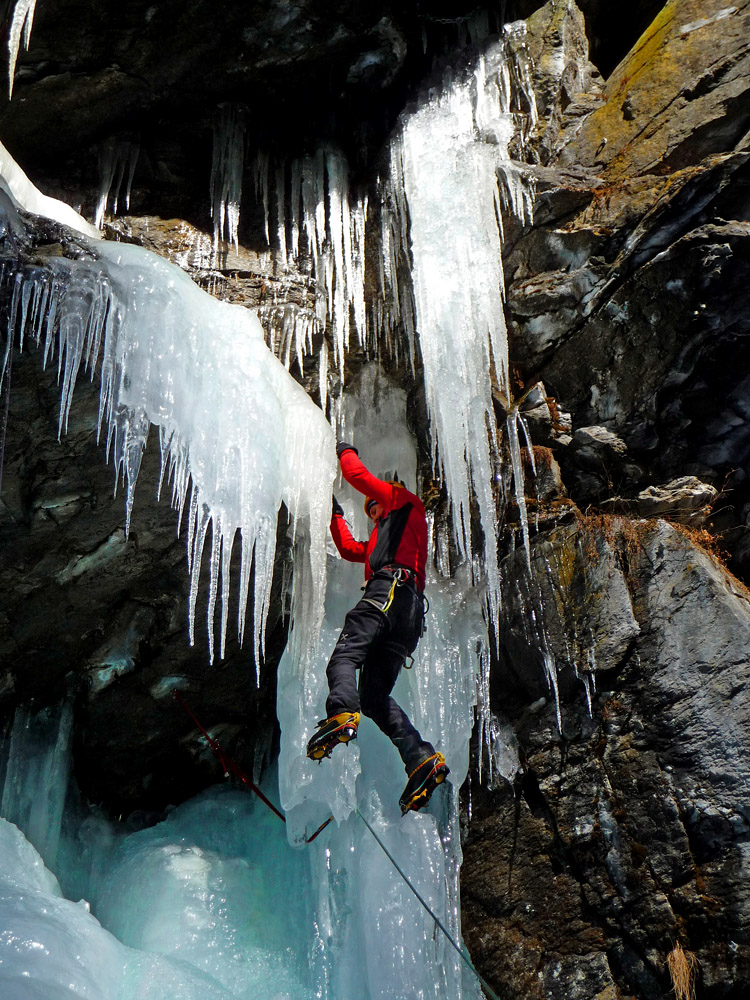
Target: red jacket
x: 399, y: 537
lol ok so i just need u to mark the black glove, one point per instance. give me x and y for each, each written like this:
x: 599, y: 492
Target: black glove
x: 342, y: 446
x: 336, y: 508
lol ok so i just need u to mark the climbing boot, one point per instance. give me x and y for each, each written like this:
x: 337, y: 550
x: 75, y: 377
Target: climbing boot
x: 422, y: 782
x: 341, y: 728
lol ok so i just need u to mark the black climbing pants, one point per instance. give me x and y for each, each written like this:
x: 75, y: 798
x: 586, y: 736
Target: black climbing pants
x: 377, y: 643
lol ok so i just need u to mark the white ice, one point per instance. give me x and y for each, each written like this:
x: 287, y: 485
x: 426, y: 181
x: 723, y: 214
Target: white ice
x: 238, y: 435
x: 448, y: 159
x: 20, y: 29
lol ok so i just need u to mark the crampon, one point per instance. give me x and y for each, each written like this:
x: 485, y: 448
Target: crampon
x: 341, y: 728
x: 422, y: 782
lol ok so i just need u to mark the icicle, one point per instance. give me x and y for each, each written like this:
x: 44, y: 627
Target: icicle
x: 511, y: 425
x: 323, y: 376
x: 281, y: 213
x: 317, y: 215
x: 261, y: 168
x: 20, y: 25
x: 117, y: 162
x: 289, y: 330
x: 226, y: 172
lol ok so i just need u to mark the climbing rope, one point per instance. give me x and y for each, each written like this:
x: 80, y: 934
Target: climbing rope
x: 485, y: 985
x: 231, y: 767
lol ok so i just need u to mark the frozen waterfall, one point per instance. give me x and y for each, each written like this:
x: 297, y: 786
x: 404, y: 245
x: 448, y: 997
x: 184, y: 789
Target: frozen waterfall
x: 215, y: 901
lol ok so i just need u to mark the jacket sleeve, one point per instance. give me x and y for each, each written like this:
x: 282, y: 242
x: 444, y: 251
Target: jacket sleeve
x: 349, y: 548
x: 360, y: 477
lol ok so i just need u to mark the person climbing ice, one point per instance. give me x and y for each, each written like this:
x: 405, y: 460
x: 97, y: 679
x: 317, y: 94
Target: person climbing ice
x: 382, y: 631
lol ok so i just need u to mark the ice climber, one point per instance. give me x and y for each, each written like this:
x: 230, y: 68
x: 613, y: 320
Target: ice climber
x: 382, y: 631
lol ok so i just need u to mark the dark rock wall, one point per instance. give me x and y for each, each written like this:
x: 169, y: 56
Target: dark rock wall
x: 624, y: 832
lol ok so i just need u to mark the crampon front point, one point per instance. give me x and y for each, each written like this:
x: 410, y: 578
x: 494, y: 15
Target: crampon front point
x: 422, y: 782
x: 341, y: 728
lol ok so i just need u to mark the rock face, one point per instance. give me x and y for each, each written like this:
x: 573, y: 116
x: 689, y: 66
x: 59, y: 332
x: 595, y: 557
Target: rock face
x: 309, y: 73
x: 629, y: 821
x: 623, y: 656
x: 622, y: 660
x: 627, y: 294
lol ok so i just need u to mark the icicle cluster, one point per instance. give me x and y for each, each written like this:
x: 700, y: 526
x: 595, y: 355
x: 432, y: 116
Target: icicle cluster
x: 238, y: 435
x: 227, y: 167
x: 289, y: 332
x: 117, y: 161
x: 451, y: 172
x: 20, y: 29
x: 317, y: 216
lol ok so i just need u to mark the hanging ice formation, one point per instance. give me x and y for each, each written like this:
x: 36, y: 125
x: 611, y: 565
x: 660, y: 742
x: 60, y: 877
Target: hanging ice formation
x: 20, y: 29
x: 117, y: 161
x: 238, y: 435
x: 451, y: 173
x: 317, y: 217
x: 227, y: 168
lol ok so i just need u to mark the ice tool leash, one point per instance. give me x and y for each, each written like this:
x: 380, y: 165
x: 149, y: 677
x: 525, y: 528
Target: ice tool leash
x: 232, y: 767
x: 485, y: 985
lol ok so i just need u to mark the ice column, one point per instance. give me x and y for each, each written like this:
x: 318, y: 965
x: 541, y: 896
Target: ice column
x: 117, y: 161
x: 20, y: 28
x: 370, y: 929
x: 448, y: 159
x: 226, y: 172
x: 36, y: 776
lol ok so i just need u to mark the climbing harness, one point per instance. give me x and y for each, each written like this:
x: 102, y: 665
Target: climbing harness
x: 231, y: 767
x: 434, y: 916
x: 400, y: 575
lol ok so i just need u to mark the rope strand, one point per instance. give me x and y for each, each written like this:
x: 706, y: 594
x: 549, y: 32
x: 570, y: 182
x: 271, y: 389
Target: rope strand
x: 437, y: 920
x: 229, y: 766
